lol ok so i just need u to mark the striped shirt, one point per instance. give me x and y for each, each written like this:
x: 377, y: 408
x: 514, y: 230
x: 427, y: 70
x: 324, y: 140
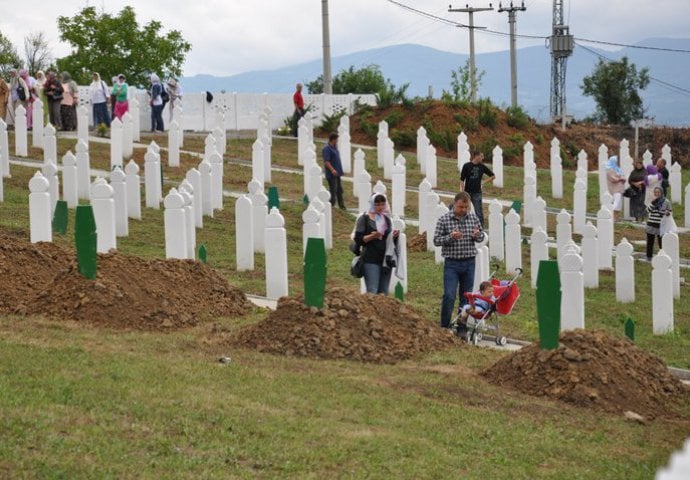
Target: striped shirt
x: 656, y: 212
x: 463, y: 247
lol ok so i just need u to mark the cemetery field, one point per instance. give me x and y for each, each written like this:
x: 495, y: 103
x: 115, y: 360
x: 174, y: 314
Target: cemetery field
x: 79, y: 401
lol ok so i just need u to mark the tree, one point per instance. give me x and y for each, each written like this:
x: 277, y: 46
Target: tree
x: 615, y: 88
x: 8, y: 56
x: 37, y: 52
x: 367, y: 79
x: 461, y: 84
x: 114, y: 44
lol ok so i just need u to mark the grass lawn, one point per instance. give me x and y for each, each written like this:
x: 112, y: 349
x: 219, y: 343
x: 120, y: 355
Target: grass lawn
x: 81, y: 402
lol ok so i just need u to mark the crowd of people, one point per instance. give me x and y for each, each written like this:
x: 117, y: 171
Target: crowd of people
x: 59, y: 94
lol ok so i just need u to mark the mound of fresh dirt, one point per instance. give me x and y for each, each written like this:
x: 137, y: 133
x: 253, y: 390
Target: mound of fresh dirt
x: 593, y: 369
x: 416, y: 243
x: 128, y: 292
x: 368, y: 328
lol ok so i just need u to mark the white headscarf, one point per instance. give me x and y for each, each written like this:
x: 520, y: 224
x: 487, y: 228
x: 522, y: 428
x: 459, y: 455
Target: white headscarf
x: 380, y: 218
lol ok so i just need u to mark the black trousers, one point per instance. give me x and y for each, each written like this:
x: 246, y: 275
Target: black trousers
x: 650, y: 244
x: 335, y: 185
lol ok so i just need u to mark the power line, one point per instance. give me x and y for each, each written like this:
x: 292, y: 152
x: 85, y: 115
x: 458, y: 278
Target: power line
x: 641, y: 47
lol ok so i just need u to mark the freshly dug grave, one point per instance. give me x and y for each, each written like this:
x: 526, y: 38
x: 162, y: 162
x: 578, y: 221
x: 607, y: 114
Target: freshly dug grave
x: 593, y: 369
x: 416, y: 243
x: 367, y: 328
x: 128, y: 292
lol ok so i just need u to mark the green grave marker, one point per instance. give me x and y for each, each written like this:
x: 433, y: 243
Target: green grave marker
x: 305, y: 199
x: 202, y: 253
x: 60, y: 217
x: 399, y: 292
x: 548, y: 304
x: 315, y: 272
x: 630, y: 329
x: 85, y: 240
x: 273, y: 200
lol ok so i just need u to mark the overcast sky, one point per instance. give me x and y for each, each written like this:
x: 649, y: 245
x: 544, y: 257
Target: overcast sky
x: 233, y: 36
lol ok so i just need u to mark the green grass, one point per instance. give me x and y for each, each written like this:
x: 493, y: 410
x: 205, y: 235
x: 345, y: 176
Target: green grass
x: 79, y: 402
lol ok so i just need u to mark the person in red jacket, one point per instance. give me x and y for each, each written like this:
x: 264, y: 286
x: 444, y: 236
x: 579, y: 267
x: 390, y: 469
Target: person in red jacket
x: 298, y: 101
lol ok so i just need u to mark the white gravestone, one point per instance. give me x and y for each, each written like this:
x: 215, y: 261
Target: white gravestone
x: 572, y: 292
x: 216, y: 180
x: 276, y: 256
x: 244, y: 233
x: 133, y: 183
x: 363, y: 182
x: 528, y: 160
x: 266, y: 142
x: 310, y: 226
x: 358, y: 167
x: 582, y: 162
x: 104, y: 214
x: 21, y: 141
x: 626, y: 166
x: 672, y: 249
x: 401, y: 268
x: 579, y: 206
x: 320, y: 207
x: 260, y: 211
x: 647, y: 158
x: 432, y: 200
x: 424, y: 190
x: 206, y: 181
x: 4, y: 150
x: 539, y: 214
x: 605, y: 237
x: 463, y: 151
x: 178, y: 116
x: 175, y: 225
x: 539, y: 251
x: 325, y: 197
x: 40, y: 215
x: 607, y: 201
x: 258, y: 161
x: 482, y: 269
x: 50, y: 145
x: 529, y: 194
x: 83, y: 170
x: 513, y: 243
x: 687, y: 206
x: 497, y: 166
x: 564, y: 232
x: 675, y: 180
x: 345, y: 146
x: 398, y: 187
x: 174, y: 132
x: 69, y: 180
x: 315, y: 181
x: 388, y: 157
x: 194, y: 178
x: 221, y: 139
x: 118, y: 181
x: 116, y: 135
x: 136, y: 122
x: 496, y: 245
x: 381, y: 137
x: 666, y: 154
x: 590, y: 256
x: 556, y: 169
x: 152, y: 177
x: 581, y: 174
x: 662, y: 294
x: 441, y: 210
x: 625, y: 272
x: 83, y: 123
x: 210, y: 146
x: 190, y: 231
x: 50, y: 172
x: 302, y: 140
x: 431, y: 166
x: 602, y: 160
x: 38, y: 127
x: 421, y: 147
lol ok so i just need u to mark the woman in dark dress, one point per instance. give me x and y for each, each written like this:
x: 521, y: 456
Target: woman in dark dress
x: 637, y: 183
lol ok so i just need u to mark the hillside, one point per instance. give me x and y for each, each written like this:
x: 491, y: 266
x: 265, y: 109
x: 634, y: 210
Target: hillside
x: 490, y: 126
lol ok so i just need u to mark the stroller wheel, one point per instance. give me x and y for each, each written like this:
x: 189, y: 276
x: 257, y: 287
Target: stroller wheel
x: 468, y: 336
x: 478, y: 336
x: 501, y: 341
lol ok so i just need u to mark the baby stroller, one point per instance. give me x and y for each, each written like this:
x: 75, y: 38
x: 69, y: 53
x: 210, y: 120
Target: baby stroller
x: 505, y: 295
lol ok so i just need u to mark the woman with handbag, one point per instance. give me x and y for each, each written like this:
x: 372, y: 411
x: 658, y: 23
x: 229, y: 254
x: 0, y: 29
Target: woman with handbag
x: 371, y: 232
x: 53, y: 91
x: 98, y: 91
x: 19, y: 95
x: 68, y: 105
x: 657, y: 210
x: 635, y: 192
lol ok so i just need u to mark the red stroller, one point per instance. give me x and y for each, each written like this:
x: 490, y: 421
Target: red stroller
x: 506, y: 293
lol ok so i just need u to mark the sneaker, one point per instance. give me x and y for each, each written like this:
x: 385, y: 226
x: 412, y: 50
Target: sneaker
x: 343, y: 207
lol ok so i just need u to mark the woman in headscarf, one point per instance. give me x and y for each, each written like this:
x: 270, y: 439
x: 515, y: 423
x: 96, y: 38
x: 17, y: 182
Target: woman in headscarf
x: 98, y: 91
x: 68, y: 106
x: 53, y: 91
x: 656, y: 211
x: 39, y: 88
x: 156, y: 103
x: 30, y: 93
x: 4, y: 98
x: 175, y: 92
x: 371, y: 232
x: 120, y: 92
x: 636, y: 180
x: 615, y: 181
x: 651, y: 180
x: 18, y: 89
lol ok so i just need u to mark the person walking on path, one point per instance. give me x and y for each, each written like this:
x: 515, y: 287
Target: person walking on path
x: 98, y: 91
x: 456, y: 233
x: 157, y: 104
x: 656, y: 211
x: 615, y: 182
x: 471, y: 180
x: 334, y: 170
x: 298, y: 102
x: 372, y: 232
x: 120, y: 92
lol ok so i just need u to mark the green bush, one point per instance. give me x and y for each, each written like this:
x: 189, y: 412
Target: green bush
x: 512, y: 152
x: 517, y: 118
x: 370, y: 129
x: 445, y: 139
x: 487, y: 147
x: 517, y: 139
x: 393, y: 119
x: 330, y: 122
x: 468, y: 124
x: 539, y: 139
x: 487, y: 115
x: 404, y: 138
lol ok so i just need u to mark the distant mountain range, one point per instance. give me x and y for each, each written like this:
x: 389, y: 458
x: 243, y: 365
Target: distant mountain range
x: 426, y: 68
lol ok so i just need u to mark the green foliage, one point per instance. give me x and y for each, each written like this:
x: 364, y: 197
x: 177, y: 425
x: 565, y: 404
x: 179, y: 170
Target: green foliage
x: 114, y: 44
x: 486, y: 114
x: 9, y: 58
x: 101, y: 130
x: 370, y: 129
x: 461, y: 85
x: 615, y: 88
x: 517, y: 139
x: 467, y: 124
x: 367, y: 79
x: 517, y: 118
x: 446, y: 138
x: 404, y: 138
x: 330, y: 122
x: 488, y: 145
x: 539, y: 139
x: 393, y: 119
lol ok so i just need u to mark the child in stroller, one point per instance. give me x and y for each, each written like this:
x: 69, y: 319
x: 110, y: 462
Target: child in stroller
x: 479, y: 303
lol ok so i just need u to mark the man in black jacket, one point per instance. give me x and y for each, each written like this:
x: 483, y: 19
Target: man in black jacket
x: 471, y: 180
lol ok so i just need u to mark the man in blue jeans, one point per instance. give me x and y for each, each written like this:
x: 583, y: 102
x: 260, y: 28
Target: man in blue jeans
x: 456, y: 233
x: 471, y: 180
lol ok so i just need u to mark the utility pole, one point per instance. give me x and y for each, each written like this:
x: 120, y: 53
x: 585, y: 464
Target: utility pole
x: 561, y: 43
x: 327, y: 80
x: 512, y: 10
x: 473, y: 68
